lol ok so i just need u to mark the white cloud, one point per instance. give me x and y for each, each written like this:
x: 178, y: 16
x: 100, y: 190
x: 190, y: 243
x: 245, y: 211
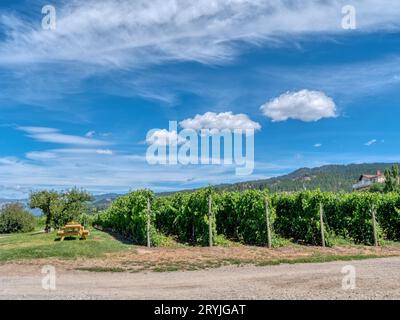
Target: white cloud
x: 163, y: 137
x: 370, y: 142
x: 220, y: 121
x: 303, y: 105
x: 90, y: 134
x: 53, y: 135
x: 318, y: 145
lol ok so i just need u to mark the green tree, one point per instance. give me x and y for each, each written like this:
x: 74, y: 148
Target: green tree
x: 60, y: 208
x: 392, y: 177
x: 69, y: 206
x: 14, y: 218
x: 44, y: 200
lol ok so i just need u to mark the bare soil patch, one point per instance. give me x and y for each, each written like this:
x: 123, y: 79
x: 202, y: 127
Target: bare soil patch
x: 140, y: 259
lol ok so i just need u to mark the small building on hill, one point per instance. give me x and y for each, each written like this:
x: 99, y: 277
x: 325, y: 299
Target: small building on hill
x: 367, y: 180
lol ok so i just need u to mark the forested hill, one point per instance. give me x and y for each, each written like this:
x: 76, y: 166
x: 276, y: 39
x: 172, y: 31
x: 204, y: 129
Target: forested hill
x: 327, y: 178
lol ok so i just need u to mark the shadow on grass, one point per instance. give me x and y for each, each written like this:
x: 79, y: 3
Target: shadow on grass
x: 116, y: 236
x: 72, y: 238
x: 37, y: 233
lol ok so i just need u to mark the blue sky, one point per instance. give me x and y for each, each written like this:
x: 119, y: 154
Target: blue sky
x: 77, y: 102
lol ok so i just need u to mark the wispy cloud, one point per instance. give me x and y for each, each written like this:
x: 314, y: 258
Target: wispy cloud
x: 94, y: 38
x: 40, y: 155
x: 53, y: 135
x: 101, y: 172
x: 370, y: 142
x: 363, y: 78
x: 129, y: 33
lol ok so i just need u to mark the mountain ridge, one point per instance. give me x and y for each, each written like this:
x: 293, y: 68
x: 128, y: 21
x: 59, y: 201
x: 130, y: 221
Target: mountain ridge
x: 332, y: 177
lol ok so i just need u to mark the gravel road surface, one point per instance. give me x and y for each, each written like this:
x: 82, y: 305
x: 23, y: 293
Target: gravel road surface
x: 375, y: 279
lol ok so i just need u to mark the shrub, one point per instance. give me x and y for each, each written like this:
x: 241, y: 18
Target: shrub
x: 228, y: 216
x: 388, y: 215
x: 350, y: 215
x: 347, y: 216
x: 85, y: 219
x: 127, y: 215
x: 241, y: 216
x: 298, y: 217
x: 14, y: 218
x: 185, y: 216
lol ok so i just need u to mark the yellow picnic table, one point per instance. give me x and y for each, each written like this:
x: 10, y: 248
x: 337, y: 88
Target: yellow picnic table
x: 73, y: 229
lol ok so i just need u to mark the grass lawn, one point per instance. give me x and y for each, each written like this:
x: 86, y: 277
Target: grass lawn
x: 36, y: 245
x: 101, y: 252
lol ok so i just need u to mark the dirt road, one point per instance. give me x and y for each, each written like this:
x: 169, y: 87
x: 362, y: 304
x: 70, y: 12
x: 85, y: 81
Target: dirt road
x: 375, y: 279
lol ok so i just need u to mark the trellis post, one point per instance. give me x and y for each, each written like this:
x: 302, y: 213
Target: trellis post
x: 268, y: 223
x: 210, y: 235
x: 148, y: 223
x: 374, y: 227
x: 321, y: 218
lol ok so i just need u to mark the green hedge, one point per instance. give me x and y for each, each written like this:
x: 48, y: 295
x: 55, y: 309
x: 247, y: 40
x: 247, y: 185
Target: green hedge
x: 185, y: 216
x: 298, y: 217
x: 389, y: 215
x: 127, y: 215
x: 346, y: 215
x: 240, y: 216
